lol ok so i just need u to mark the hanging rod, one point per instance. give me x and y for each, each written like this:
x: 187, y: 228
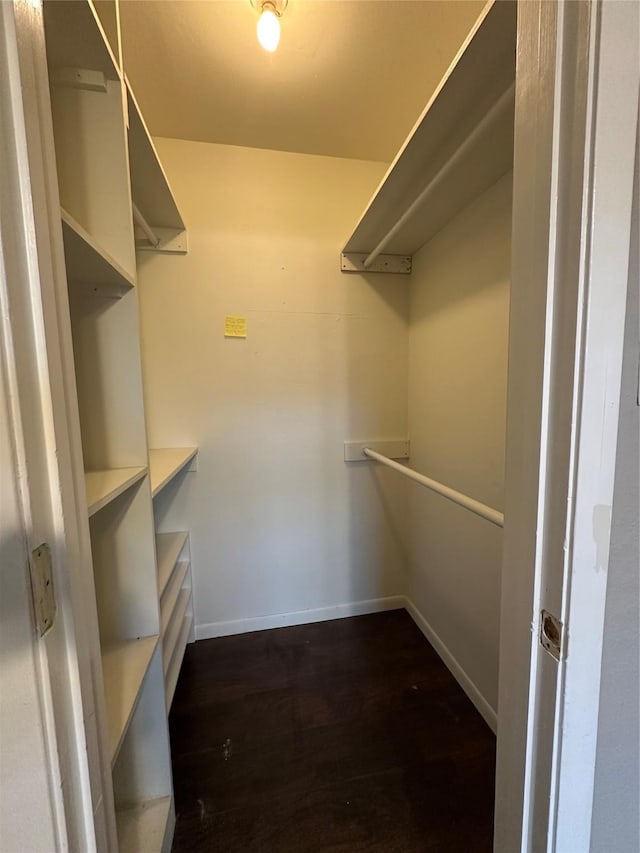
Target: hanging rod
x: 472, y: 505
x: 142, y: 223
x: 502, y: 104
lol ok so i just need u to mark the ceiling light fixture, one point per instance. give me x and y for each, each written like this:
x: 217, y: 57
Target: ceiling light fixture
x: 269, y: 22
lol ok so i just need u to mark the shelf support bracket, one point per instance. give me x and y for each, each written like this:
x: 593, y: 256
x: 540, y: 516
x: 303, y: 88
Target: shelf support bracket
x: 144, y: 226
x: 395, y: 264
x: 80, y: 78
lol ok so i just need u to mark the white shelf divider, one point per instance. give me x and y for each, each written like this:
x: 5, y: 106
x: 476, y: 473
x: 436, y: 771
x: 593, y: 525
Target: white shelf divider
x: 176, y: 661
x: 454, y: 152
x: 171, y: 593
x: 165, y: 463
x: 174, y: 627
x: 90, y: 265
x: 124, y: 666
x: 104, y: 486
x: 168, y: 549
x: 145, y: 827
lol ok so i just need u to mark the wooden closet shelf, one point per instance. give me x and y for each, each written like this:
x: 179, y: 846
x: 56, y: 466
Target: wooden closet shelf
x: 124, y: 666
x: 176, y: 660
x: 144, y: 826
x: 104, y: 486
x: 165, y: 463
x: 76, y: 39
x: 171, y: 593
x: 174, y: 629
x: 168, y: 548
x: 456, y: 150
x: 88, y: 264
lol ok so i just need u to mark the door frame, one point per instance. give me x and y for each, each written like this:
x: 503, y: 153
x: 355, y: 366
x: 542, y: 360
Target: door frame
x: 572, y: 180
x: 36, y: 368
x: 577, y: 87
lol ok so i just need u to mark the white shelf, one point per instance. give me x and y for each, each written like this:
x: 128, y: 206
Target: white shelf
x: 165, y: 463
x: 104, y: 486
x: 88, y: 264
x: 170, y: 597
x: 174, y: 628
x: 150, y: 188
x: 144, y: 828
x: 168, y: 548
x: 176, y: 660
x: 482, y: 72
x: 76, y: 38
x: 124, y: 666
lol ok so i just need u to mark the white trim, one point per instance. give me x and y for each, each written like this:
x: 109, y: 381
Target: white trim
x: 470, y: 688
x: 48, y: 444
x: 603, y: 279
x: 576, y: 107
x: 208, y: 630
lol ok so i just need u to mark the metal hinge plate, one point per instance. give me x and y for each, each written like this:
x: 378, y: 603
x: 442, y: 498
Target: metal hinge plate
x: 552, y: 635
x: 44, y: 600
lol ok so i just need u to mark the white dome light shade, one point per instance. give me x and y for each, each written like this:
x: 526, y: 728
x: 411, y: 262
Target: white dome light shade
x: 269, y: 30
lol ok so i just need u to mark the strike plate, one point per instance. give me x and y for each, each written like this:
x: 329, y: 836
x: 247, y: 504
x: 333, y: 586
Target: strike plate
x: 552, y: 634
x: 354, y: 262
x: 44, y: 600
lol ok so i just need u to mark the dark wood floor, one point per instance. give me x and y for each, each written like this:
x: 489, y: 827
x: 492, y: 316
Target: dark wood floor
x: 337, y: 736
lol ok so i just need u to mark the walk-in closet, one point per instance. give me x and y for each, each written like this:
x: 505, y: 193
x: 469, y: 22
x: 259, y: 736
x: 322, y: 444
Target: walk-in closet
x: 302, y: 337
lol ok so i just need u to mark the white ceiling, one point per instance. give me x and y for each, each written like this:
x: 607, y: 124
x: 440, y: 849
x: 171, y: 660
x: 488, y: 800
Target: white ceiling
x: 349, y: 79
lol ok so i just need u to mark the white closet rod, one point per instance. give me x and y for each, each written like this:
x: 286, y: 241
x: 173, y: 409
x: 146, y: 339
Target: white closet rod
x: 503, y: 102
x: 149, y: 233
x: 472, y: 505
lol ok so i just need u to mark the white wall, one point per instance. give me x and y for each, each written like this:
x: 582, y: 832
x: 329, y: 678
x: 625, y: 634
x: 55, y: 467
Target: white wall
x: 457, y: 415
x: 615, y: 818
x: 279, y: 523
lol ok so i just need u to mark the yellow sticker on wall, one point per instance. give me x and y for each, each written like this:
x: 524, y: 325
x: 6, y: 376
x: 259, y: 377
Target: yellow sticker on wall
x: 235, y: 327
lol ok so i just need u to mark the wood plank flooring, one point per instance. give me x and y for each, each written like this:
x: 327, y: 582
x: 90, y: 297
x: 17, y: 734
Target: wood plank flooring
x: 348, y: 735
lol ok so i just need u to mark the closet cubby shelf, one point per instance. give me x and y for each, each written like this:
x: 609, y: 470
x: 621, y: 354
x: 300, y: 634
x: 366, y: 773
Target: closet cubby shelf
x: 76, y: 39
x: 124, y: 666
x: 174, y: 629
x: 144, y: 826
x: 168, y: 548
x: 171, y: 593
x: 176, y: 661
x: 460, y: 146
x: 104, y: 486
x: 89, y: 265
x: 155, y: 205
x: 165, y: 463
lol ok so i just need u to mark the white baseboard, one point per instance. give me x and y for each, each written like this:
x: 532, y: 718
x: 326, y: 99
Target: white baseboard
x: 299, y: 617
x: 483, y: 707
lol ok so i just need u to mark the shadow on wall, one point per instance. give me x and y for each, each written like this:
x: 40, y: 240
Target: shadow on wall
x: 377, y: 368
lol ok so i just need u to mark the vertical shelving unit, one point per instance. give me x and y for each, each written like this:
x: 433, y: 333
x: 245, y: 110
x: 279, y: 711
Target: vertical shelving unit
x: 160, y: 228
x: 90, y: 124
